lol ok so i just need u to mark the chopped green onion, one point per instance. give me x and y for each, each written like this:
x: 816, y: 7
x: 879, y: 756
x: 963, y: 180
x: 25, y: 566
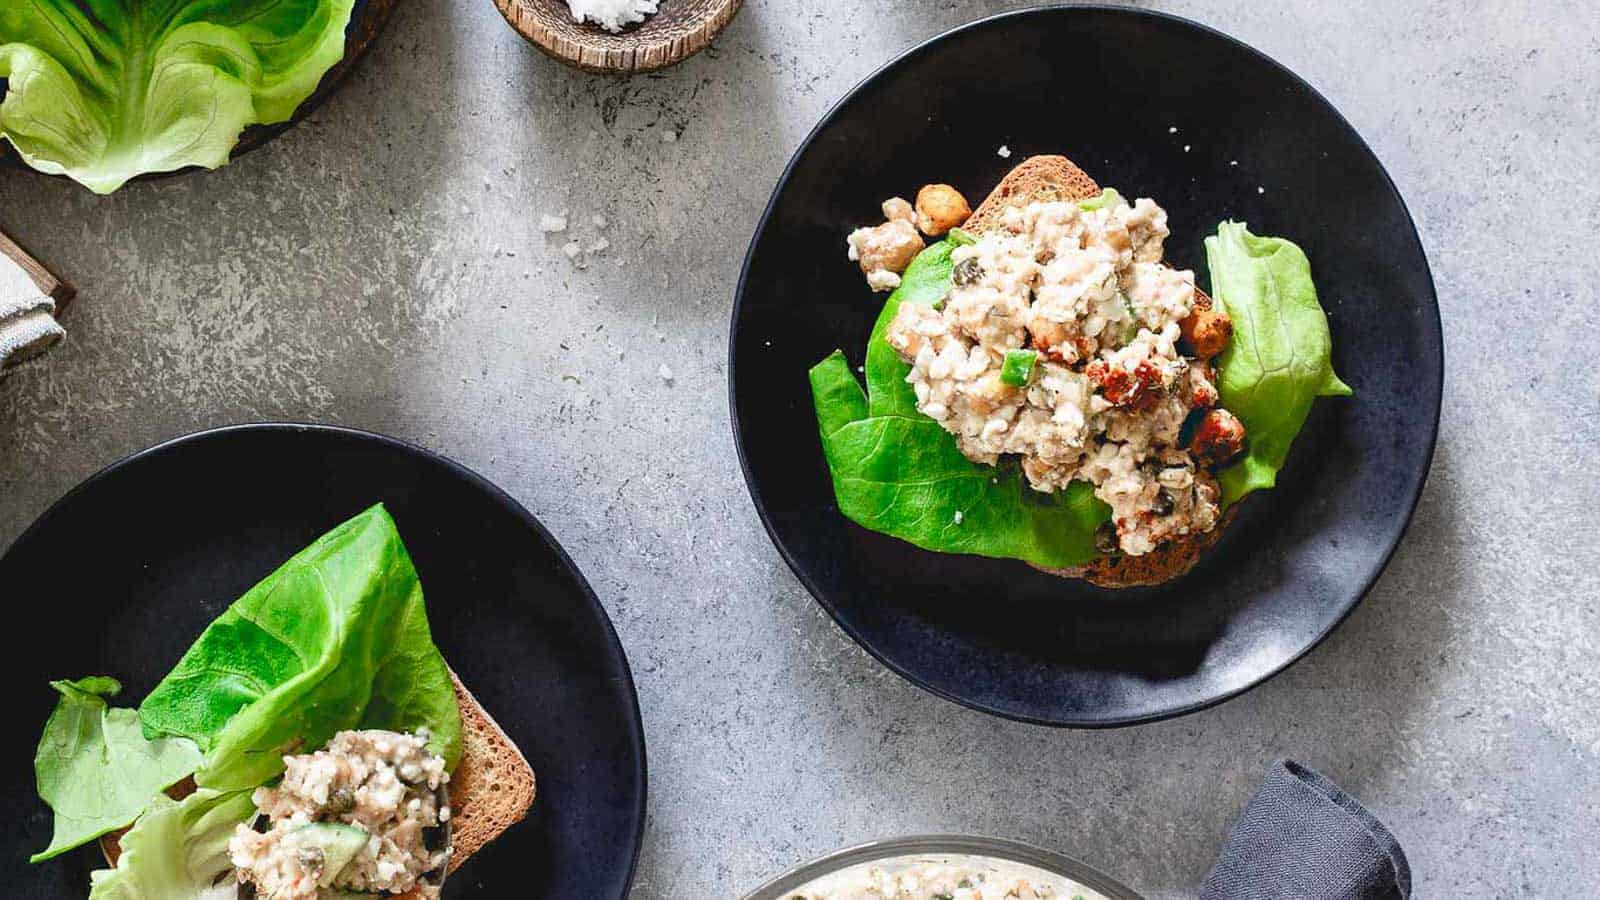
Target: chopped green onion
x: 1018, y: 367
x: 1108, y: 197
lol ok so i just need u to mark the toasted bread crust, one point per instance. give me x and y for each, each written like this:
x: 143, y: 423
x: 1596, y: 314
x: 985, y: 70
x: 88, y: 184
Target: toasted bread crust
x: 491, y: 788
x: 1035, y: 179
x: 1046, y: 178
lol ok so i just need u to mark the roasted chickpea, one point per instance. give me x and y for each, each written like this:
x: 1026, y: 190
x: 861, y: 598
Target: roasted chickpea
x: 1218, y: 438
x: 940, y: 208
x: 1207, y: 331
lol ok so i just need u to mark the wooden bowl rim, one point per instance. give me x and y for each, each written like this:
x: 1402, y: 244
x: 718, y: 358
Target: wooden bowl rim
x: 649, y: 54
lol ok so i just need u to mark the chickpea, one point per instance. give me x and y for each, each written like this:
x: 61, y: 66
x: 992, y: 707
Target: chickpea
x: 1218, y: 438
x: 884, y: 251
x: 1207, y: 331
x: 940, y: 208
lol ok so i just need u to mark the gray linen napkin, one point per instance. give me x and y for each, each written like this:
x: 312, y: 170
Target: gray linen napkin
x: 1302, y: 837
x: 28, y: 325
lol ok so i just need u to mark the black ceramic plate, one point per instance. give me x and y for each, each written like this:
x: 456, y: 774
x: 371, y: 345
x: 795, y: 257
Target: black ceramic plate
x: 1105, y: 87
x: 122, y: 574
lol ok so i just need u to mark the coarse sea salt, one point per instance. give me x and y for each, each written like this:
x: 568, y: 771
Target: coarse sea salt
x: 612, y: 15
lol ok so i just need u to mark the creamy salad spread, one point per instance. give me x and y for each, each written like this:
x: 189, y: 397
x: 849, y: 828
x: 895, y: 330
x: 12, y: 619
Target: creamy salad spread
x: 1061, y: 342
x: 942, y: 879
x: 363, y: 814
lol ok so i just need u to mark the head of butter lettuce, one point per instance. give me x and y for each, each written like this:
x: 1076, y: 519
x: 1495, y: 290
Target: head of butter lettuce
x: 106, y: 90
x: 336, y: 638
x: 898, y: 472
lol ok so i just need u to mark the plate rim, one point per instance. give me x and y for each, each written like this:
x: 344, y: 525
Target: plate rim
x: 953, y: 843
x: 495, y: 492
x: 1081, y: 722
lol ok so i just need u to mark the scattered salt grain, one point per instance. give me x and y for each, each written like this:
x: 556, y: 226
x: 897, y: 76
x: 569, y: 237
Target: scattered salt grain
x: 571, y: 249
x: 670, y: 136
x: 552, y: 224
x: 665, y: 372
x: 1172, y: 130
x: 1233, y: 162
x: 612, y: 15
x: 1004, y: 152
x: 1261, y: 190
x: 1186, y: 148
x: 959, y: 517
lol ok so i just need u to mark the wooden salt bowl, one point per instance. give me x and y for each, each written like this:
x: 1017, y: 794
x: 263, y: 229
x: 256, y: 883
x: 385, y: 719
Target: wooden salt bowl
x: 679, y: 30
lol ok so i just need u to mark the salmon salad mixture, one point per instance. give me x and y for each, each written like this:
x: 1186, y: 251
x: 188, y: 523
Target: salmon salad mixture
x: 367, y: 813
x: 1067, y: 343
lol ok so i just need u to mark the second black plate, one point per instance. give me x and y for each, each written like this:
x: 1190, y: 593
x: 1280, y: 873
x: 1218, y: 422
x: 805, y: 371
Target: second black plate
x: 121, y: 575
x: 1157, y: 107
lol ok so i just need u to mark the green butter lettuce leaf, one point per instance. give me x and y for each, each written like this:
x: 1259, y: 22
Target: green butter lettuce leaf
x: 177, y: 851
x: 897, y: 472
x: 105, y: 90
x: 336, y: 638
x: 903, y: 476
x: 1280, y: 358
x: 95, y: 768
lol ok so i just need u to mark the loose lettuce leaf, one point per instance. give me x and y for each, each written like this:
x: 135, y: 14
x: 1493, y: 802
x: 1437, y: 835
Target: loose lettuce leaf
x: 1280, y: 358
x: 95, y: 768
x: 177, y: 851
x: 336, y: 638
x: 104, y: 90
x: 897, y: 472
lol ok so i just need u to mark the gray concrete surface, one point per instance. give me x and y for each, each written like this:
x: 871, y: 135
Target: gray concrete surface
x: 381, y: 266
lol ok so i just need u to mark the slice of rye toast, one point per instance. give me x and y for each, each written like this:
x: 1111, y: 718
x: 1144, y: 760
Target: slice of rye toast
x: 1044, y: 178
x: 490, y: 790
